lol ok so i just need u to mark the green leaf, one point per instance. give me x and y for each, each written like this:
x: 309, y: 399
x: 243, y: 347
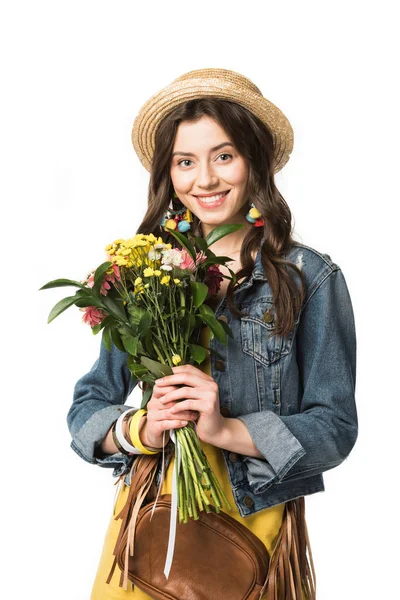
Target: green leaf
x: 99, y: 275
x: 144, y: 324
x: 199, y: 291
x: 106, y: 337
x: 215, y: 327
x: 227, y: 329
x: 130, y: 343
x: 183, y: 240
x: 147, y: 395
x: 204, y: 309
x: 187, y: 324
x: 60, y: 307
x: 61, y: 283
x: 157, y: 368
x: 221, y: 231
x: 88, y: 301
x: 96, y: 329
x: 198, y: 352
x: 137, y: 369
x: 116, y: 338
x: 200, y: 243
x: 215, y: 260
x: 135, y: 313
x: 115, y: 307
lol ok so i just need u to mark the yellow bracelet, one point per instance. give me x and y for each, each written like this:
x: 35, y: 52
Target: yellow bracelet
x: 134, y: 433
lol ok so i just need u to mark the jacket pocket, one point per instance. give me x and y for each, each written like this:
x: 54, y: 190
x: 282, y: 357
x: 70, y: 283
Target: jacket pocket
x: 258, y: 340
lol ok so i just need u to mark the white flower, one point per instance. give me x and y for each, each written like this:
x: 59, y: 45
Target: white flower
x: 166, y: 267
x: 176, y: 258
x: 153, y: 255
x: 166, y: 257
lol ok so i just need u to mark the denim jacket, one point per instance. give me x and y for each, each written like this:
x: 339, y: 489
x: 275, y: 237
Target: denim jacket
x: 294, y: 393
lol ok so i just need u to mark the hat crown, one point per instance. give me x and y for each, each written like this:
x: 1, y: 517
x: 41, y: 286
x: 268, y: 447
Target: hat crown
x: 221, y: 75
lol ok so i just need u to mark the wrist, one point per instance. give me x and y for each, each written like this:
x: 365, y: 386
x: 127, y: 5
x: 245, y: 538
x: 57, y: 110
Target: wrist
x: 143, y: 435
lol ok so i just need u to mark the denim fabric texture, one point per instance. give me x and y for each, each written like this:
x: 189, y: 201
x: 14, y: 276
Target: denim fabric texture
x: 294, y: 393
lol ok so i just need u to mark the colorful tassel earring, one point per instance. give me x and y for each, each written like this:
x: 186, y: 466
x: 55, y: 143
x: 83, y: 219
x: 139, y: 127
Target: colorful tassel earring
x: 177, y: 219
x: 254, y: 216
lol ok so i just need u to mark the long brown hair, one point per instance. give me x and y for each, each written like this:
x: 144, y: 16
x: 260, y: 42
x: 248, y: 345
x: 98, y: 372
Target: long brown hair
x: 254, y: 142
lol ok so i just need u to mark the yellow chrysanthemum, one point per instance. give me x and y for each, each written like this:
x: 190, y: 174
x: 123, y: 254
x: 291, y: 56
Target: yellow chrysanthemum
x: 138, y: 281
x: 165, y: 280
x: 148, y: 272
x: 176, y: 359
x: 176, y: 280
x: 157, y: 272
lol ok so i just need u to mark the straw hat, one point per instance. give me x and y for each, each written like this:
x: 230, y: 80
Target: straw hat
x: 224, y: 84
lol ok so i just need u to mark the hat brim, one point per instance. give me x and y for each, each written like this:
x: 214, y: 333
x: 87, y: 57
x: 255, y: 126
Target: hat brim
x: 163, y: 102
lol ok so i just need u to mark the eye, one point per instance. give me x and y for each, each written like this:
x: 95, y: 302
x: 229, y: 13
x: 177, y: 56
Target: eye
x: 184, y: 160
x: 230, y: 156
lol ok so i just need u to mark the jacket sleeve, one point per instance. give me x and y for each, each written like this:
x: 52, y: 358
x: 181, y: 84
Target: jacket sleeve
x: 98, y: 400
x: 322, y: 434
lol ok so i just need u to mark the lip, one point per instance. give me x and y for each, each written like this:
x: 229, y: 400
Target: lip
x: 211, y: 204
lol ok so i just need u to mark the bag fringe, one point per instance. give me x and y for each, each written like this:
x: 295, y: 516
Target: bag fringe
x: 142, y: 488
x: 291, y: 574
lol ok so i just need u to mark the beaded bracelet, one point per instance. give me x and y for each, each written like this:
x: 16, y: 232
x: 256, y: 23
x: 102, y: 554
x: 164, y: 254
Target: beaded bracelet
x: 134, y: 433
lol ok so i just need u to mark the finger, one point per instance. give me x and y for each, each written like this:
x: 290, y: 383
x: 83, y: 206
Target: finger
x: 174, y: 424
x: 183, y: 378
x: 187, y: 405
x: 160, y: 391
x: 185, y: 415
x: 183, y: 393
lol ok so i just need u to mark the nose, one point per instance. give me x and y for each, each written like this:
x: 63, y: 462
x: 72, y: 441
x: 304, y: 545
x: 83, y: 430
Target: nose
x: 206, y: 178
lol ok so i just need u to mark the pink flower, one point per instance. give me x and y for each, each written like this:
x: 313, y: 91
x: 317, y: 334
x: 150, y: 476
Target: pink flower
x: 213, y: 279
x: 93, y: 316
x: 108, y: 278
x: 188, y: 262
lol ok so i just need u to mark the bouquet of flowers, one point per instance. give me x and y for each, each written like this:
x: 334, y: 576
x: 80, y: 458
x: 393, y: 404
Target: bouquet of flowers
x: 150, y: 300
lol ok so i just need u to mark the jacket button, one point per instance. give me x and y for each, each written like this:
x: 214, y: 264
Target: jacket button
x: 267, y: 317
x: 225, y: 412
x: 248, y: 501
x: 223, y: 318
x: 233, y: 457
x: 220, y: 365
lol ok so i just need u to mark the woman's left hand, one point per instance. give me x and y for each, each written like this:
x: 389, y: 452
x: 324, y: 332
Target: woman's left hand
x: 199, y: 392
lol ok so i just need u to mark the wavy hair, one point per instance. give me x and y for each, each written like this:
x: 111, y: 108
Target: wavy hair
x: 254, y: 142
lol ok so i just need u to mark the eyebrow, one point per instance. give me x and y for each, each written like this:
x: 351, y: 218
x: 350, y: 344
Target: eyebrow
x: 212, y: 150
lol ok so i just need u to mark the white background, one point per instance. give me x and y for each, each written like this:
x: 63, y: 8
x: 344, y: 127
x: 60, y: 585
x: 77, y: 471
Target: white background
x: 74, y: 75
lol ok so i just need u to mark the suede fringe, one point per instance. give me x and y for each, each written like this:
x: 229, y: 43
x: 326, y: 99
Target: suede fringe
x: 291, y: 574
x: 142, y: 487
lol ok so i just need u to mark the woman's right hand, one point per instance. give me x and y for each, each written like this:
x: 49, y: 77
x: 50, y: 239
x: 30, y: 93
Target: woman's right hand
x: 159, y: 418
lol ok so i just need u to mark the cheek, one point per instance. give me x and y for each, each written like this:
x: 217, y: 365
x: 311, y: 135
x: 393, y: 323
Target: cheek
x: 238, y: 175
x: 182, y: 181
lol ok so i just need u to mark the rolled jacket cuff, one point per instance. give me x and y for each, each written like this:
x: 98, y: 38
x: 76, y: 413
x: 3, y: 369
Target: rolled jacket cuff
x: 92, y: 433
x: 280, y: 448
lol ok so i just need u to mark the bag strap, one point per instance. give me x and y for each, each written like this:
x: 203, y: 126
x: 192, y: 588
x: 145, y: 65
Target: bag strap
x: 291, y: 572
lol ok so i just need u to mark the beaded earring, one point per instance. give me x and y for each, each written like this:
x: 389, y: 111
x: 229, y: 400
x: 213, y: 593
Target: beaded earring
x: 180, y: 219
x: 254, y: 216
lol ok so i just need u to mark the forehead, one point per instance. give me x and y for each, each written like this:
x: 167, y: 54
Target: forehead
x: 203, y: 132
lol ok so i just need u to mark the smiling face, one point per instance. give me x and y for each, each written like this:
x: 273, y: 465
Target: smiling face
x: 208, y: 173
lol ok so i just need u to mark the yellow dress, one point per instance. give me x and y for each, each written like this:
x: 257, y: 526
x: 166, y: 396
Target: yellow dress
x: 264, y: 524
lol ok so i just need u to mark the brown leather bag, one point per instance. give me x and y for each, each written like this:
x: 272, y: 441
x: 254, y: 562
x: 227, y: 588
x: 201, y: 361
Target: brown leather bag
x: 214, y: 556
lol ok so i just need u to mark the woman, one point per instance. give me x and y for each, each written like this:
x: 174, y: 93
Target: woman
x: 277, y: 408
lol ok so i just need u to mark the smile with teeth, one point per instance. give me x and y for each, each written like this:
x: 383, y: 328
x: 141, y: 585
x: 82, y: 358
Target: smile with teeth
x: 212, y: 199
